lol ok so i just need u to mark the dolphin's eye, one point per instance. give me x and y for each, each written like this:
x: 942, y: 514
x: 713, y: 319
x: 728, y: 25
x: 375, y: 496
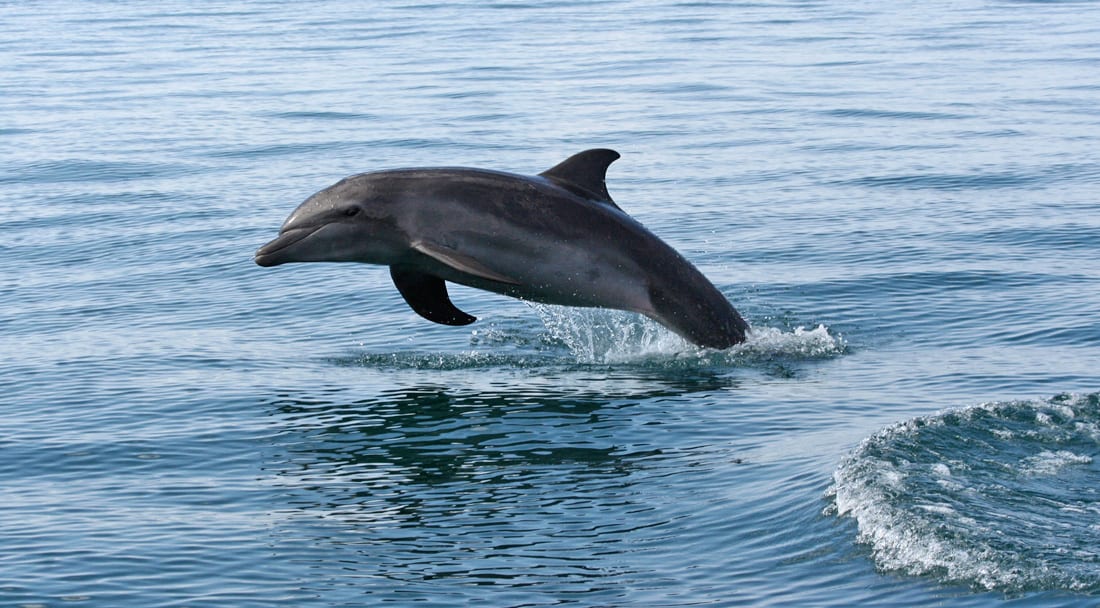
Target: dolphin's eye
x: 351, y: 211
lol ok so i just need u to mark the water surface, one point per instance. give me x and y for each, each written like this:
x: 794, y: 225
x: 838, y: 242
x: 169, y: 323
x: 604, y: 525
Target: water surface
x: 901, y: 200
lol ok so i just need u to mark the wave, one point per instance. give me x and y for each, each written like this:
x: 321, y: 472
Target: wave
x: 999, y: 496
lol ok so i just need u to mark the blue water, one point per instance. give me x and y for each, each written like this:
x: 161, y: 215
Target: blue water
x: 904, y: 201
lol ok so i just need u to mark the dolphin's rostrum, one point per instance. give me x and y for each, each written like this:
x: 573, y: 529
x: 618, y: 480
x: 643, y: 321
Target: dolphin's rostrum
x: 555, y: 238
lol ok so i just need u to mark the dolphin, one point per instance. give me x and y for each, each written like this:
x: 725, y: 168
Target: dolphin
x: 554, y: 238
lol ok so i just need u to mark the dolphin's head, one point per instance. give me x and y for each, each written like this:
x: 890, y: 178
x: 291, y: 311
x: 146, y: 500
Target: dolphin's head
x: 351, y: 221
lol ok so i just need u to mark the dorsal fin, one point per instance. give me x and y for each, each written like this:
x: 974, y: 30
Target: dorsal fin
x: 585, y: 174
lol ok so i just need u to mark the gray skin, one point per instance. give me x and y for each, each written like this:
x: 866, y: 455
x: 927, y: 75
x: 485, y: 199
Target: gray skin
x: 555, y: 238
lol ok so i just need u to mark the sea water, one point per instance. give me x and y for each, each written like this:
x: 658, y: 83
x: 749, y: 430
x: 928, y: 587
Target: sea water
x: 903, y: 200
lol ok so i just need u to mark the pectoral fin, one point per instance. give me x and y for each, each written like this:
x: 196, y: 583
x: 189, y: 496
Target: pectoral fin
x: 461, y: 262
x: 427, y: 296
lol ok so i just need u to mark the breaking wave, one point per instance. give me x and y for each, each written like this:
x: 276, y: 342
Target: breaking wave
x: 999, y: 496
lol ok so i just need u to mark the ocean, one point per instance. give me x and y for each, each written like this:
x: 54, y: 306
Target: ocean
x: 903, y: 200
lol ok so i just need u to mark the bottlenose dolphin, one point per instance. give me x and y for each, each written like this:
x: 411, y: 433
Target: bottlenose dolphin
x: 555, y: 238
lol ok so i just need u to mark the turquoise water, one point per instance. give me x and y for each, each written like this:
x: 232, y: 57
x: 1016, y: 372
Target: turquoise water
x: 902, y: 201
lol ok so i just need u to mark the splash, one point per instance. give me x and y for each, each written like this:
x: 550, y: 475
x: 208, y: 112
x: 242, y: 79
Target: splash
x: 599, y: 336
x: 596, y: 335
x: 999, y: 496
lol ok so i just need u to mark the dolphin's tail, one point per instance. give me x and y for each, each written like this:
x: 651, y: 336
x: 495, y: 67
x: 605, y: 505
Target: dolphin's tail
x: 699, y: 313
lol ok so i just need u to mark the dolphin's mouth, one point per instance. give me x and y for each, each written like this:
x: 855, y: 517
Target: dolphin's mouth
x: 267, y: 255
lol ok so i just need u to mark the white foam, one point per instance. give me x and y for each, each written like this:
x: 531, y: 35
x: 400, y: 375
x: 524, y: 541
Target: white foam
x: 865, y: 489
x: 800, y: 342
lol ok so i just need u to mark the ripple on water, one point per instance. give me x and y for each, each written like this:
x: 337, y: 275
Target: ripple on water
x: 999, y: 496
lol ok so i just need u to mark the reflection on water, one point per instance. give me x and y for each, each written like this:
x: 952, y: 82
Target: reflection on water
x: 523, y: 483
x: 432, y: 433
